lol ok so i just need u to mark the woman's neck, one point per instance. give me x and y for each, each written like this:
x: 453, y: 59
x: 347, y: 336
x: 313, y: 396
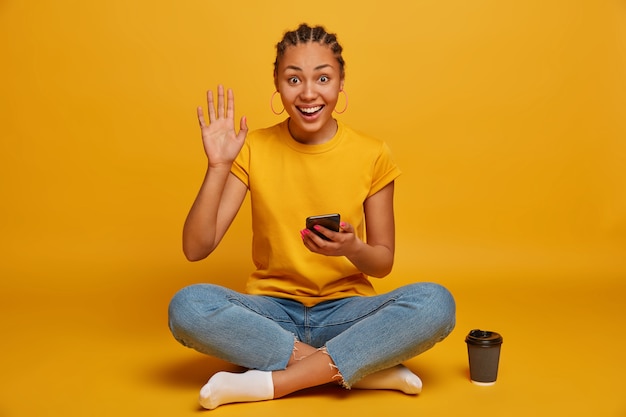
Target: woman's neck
x: 315, y: 138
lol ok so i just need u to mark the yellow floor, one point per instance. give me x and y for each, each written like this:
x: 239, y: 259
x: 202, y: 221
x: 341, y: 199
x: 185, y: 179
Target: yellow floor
x: 103, y: 349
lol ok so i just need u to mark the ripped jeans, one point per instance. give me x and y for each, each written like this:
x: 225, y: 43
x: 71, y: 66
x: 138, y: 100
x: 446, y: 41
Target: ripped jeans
x: 362, y: 335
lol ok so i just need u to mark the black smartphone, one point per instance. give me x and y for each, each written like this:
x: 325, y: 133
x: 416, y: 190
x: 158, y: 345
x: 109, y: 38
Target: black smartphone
x: 329, y: 221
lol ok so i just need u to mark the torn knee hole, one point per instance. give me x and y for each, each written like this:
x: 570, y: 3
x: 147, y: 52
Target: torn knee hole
x: 294, y: 354
x: 337, y: 377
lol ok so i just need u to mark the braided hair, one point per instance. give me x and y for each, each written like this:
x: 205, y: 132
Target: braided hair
x: 306, y: 34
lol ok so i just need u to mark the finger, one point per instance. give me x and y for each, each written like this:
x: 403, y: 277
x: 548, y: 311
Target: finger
x: 308, y: 236
x: 243, y: 126
x: 230, y: 105
x: 220, y: 101
x: 200, y: 114
x: 209, y: 98
x: 321, y: 230
x: 306, y: 241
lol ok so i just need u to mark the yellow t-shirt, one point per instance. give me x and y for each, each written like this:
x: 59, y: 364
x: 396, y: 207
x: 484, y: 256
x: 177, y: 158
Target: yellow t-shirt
x: 289, y: 181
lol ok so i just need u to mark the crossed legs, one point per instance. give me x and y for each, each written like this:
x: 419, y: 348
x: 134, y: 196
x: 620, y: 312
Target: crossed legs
x: 307, y: 367
x: 212, y: 319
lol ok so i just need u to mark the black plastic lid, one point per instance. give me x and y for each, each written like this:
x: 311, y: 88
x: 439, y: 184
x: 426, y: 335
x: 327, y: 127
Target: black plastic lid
x: 483, y: 338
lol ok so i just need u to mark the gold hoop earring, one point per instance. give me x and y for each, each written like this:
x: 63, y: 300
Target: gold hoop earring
x: 344, y: 107
x: 272, y: 105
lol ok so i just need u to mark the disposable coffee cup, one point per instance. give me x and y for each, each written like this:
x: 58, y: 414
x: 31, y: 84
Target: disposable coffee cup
x: 483, y: 350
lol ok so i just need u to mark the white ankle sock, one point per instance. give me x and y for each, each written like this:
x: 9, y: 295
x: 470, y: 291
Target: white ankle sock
x: 226, y: 387
x: 398, y: 378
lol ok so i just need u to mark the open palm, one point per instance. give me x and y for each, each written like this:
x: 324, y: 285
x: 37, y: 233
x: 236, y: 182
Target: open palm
x: 221, y: 142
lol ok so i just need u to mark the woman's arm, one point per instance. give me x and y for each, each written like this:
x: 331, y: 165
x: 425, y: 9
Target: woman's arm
x: 221, y: 193
x: 212, y: 213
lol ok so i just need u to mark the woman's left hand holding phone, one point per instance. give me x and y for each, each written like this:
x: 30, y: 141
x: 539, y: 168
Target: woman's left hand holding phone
x: 340, y: 243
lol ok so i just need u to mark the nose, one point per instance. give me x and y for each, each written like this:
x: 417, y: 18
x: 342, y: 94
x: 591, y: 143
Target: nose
x: 308, y: 92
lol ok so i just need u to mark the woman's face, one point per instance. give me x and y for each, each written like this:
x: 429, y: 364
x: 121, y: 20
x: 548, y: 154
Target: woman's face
x: 309, y: 80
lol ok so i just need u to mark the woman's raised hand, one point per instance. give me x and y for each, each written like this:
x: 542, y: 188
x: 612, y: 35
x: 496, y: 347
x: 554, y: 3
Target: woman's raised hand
x: 221, y: 142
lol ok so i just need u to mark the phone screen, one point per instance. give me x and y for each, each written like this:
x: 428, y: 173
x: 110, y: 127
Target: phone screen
x: 329, y: 221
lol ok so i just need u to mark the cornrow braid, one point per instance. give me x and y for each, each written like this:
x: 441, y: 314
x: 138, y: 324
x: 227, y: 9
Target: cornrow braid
x: 306, y: 34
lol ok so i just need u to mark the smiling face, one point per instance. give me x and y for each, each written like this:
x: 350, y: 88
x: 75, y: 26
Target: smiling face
x: 309, y: 79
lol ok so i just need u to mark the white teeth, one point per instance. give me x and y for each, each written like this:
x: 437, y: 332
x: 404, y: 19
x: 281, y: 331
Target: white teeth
x: 310, y: 110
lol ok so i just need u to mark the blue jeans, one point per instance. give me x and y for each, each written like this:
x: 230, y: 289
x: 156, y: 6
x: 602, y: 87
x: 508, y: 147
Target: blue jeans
x: 362, y: 335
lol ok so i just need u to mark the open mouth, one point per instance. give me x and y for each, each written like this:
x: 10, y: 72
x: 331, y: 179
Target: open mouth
x: 310, y: 111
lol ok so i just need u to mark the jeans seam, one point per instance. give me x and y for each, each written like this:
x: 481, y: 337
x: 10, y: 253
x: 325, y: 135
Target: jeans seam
x: 359, y: 318
x: 241, y: 303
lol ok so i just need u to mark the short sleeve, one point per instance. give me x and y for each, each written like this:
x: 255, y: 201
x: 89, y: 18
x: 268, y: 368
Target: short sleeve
x: 385, y: 170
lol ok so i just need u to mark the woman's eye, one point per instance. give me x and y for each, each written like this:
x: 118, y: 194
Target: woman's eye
x: 324, y: 78
x: 293, y: 80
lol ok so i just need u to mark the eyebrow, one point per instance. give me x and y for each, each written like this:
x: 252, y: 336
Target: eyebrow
x: 319, y: 67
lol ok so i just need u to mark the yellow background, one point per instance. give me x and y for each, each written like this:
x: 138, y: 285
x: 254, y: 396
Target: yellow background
x: 508, y: 119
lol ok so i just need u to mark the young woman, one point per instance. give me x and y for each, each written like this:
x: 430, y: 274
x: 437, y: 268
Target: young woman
x: 310, y: 315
